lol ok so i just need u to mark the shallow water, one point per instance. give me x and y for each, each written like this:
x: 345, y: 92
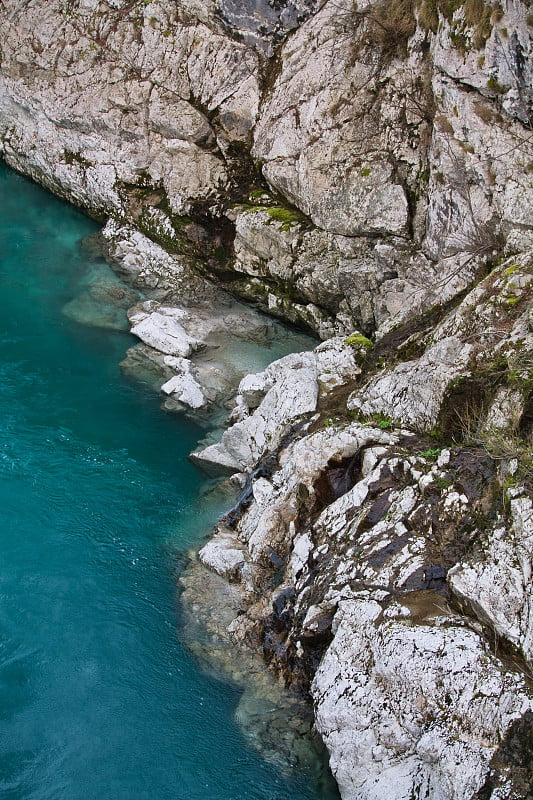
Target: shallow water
x: 98, y: 699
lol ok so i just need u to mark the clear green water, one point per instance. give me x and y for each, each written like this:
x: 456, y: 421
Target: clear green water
x: 98, y: 699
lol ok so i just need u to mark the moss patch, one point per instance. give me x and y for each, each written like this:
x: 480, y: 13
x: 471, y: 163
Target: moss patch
x: 286, y: 217
x: 358, y: 340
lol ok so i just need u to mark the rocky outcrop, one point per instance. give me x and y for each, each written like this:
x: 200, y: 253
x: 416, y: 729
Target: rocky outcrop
x: 466, y: 360
x: 496, y: 583
x: 390, y: 730
x: 336, y: 165
x: 361, y: 170
x: 387, y: 574
x: 197, y: 341
x: 270, y: 403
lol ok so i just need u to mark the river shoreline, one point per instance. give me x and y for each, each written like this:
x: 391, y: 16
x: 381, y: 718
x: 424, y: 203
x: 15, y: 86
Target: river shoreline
x: 362, y: 171
x: 330, y: 540
x: 100, y: 502
x: 221, y: 336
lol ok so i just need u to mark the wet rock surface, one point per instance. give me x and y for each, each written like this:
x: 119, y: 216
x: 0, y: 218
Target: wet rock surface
x: 197, y: 342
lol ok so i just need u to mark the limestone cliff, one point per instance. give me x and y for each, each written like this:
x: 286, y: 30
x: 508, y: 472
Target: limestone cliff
x: 335, y: 162
x: 364, y: 170
x: 382, y: 553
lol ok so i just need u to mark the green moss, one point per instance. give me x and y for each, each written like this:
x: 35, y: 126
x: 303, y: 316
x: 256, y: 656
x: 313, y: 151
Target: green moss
x: 287, y: 217
x: 358, y: 340
x: 510, y: 270
x: 257, y: 193
x: 494, y: 86
x: 382, y: 422
x: 365, y: 172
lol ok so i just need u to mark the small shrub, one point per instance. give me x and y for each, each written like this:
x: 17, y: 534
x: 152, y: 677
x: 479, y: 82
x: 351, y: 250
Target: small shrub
x: 391, y: 23
x: 382, y: 422
x: 494, y: 86
x: 428, y: 16
x: 437, y: 434
x: 358, y: 340
x: 444, y: 124
x: 432, y: 452
x: 442, y: 482
x: 484, y: 113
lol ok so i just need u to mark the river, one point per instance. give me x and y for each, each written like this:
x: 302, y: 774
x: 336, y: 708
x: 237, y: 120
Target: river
x: 99, y: 700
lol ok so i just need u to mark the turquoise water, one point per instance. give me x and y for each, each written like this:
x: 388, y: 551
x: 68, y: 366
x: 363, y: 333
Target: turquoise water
x: 98, y: 699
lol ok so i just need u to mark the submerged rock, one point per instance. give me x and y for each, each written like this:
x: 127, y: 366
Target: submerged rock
x: 103, y: 302
x: 197, y: 341
x: 273, y: 720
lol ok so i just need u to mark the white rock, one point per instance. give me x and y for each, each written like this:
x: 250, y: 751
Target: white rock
x: 223, y: 553
x: 394, y: 717
x: 413, y: 392
x: 498, y: 584
x: 185, y: 388
x: 165, y: 334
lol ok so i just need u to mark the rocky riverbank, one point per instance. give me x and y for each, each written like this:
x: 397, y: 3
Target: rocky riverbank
x: 364, y: 171
x: 382, y: 563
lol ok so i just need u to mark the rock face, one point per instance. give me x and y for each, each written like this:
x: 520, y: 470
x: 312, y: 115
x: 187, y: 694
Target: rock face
x: 339, y: 165
x: 361, y: 170
x: 480, y: 336
x: 271, y: 402
x: 497, y: 582
x: 197, y: 342
x: 387, y: 574
x: 390, y: 731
